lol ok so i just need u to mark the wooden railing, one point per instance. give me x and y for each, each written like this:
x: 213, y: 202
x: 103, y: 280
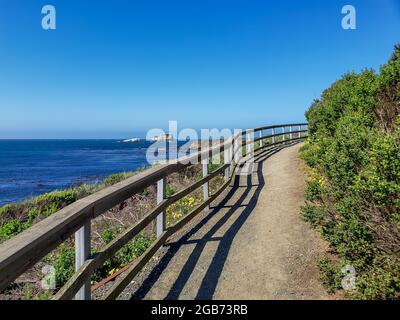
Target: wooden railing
x: 26, y: 249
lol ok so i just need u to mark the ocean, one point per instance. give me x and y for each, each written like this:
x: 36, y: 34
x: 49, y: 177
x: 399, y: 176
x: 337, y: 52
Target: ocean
x: 32, y: 167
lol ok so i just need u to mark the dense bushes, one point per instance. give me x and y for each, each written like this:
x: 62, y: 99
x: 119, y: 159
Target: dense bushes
x: 353, y: 190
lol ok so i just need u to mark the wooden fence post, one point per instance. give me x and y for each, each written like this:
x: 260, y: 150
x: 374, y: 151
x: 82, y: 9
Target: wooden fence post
x: 231, y: 155
x: 205, y: 185
x: 291, y: 134
x: 273, y: 133
x: 227, y: 160
x: 248, y: 144
x: 82, y: 253
x: 161, y: 195
x: 237, y: 149
x: 283, y: 135
x: 261, y: 140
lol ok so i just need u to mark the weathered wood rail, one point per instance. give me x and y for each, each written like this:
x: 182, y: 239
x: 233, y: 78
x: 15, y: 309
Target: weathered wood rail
x: 26, y: 249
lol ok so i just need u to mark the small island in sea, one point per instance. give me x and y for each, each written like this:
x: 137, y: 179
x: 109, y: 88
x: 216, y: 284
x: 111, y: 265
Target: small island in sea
x: 132, y: 140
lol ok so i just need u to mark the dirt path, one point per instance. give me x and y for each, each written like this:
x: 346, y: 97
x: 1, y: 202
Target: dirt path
x: 252, y: 245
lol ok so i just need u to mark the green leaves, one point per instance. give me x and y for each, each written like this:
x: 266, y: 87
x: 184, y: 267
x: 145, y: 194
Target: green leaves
x: 354, y: 149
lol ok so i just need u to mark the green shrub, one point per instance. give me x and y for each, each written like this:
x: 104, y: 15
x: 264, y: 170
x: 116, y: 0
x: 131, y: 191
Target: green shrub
x: 115, y: 178
x: 310, y: 152
x: 381, y: 281
x: 170, y: 191
x: 314, y: 190
x: 133, y: 249
x: 145, y: 192
x: 45, y: 295
x: 15, y: 218
x: 108, y: 235
x: 63, y: 261
x: 41, y: 206
x: 10, y: 229
x: 313, y: 214
x: 379, y: 179
x: 84, y: 189
x: 354, y: 146
x: 182, y: 207
x: 57, y: 199
x: 5, y: 210
x: 352, y: 240
x: 125, y: 255
x: 331, y: 275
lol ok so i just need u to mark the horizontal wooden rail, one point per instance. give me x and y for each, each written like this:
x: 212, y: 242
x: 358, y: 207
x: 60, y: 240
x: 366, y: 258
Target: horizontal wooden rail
x: 78, y: 279
x: 276, y: 135
x: 247, y: 142
x: 274, y: 127
x: 121, y: 283
x: 271, y: 136
x: 24, y: 250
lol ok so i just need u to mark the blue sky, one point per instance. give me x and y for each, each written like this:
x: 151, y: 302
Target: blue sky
x: 114, y: 69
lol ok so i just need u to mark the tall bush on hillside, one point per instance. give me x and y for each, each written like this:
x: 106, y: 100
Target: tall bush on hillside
x: 354, y: 187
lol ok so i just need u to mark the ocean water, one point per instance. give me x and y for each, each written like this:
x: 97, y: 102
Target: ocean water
x: 32, y: 167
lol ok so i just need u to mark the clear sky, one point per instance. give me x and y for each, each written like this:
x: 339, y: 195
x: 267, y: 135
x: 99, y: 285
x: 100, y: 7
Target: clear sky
x: 113, y: 68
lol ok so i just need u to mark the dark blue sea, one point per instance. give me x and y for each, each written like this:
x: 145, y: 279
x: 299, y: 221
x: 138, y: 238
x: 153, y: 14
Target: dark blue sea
x: 32, y: 167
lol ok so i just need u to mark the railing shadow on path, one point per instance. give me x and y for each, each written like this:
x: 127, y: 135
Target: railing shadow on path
x: 210, y: 280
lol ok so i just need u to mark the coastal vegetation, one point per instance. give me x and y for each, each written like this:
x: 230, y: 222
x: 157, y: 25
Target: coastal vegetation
x: 17, y: 217
x: 353, y: 190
